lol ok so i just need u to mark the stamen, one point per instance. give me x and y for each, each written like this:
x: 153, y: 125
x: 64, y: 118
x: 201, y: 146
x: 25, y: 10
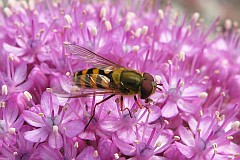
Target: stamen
x: 55, y: 129
x: 176, y: 138
x: 19, y: 25
x: 138, y: 32
x: 116, y: 156
x: 49, y: 89
x: 68, y: 19
x: 94, y: 31
x: 35, y: 13
x: 95, y: 153
x: 144, y: 30
x: 235, y: 125
x: 84, y: 12
x: 195, y: 17
x: 81, y: 25
x: 223, y: 94
x: 151, y: 136
x: 127, y: 26
x: 11, y: 57
x: 27, y: 95
x: 4, y: 90
x: 170, y: 62
x: 202, y: 95
x: 15, y: 153
x: 166, y: 121
x: 130, y: 16
x: 181, y: 83
x: 158, y: 79
x: 12, y: 130
x: 182, y: 56
x: 7, y: 11
x: 76, y: 145
x: 108, y: 25
x: 24, y: 5
x: 214, y: 145
x: 103, y: 12
x: 161, y: 14
x: 228, y: 24
x: 31, y: 5
x: 41, y: 114
x: 2, y: 104
x: 136, y: 141
x: 135, y: 48
x: 55, y: 30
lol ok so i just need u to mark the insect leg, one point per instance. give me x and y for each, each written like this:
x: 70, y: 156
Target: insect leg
x: 123, y: 109
x: 94, y: 109
x: 139, y: 105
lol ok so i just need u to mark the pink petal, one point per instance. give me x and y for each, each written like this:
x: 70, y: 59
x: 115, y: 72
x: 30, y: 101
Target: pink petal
x: 37, y: 135
x: 205, y: 126
x: 155, y: 114
x: 24, y: 86
x: 186, y: 136
x: 73, y: 128
x: 15, y: 50
x: 191, y: 121
x: 124, y: 147
x: 38, y: 77
x: 185, y: 150
x: 11, y: 112
x: 55, y: 140
x: 18, y: 123
x: 33, y: 119
x: 188, y: 107
x: 165, y: 138
x: 48, y: 153
x: 128, y: 135
x: 111, y: 124
x: 87, y: 154
x: 87, y: 135
x: 169, y: 109
x: 107, y: 149
x: 20, y: 73
x: 49, y: 103
x: 193, y: 90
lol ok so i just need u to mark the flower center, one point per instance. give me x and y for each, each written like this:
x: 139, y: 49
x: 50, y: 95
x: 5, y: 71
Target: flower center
x: 174, y: 93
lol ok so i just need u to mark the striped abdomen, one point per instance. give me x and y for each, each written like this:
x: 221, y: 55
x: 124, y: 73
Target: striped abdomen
x: 93, y: 78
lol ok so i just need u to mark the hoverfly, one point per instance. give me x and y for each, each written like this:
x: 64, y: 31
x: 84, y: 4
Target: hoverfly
x: 107, y: 77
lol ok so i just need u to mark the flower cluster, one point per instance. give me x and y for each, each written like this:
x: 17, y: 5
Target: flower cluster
x: 195, y: 116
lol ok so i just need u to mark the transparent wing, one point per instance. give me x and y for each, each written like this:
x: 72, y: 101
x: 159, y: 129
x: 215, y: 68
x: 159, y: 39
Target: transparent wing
x: 89, y: 56
x: 71, y: 89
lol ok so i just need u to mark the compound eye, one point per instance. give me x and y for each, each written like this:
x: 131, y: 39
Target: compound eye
x: 148, y: 76
x: 146, y: 89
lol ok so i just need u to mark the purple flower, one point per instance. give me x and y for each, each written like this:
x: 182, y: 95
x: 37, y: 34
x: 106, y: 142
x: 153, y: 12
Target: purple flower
x: 205, y: 139
x: 10, y: 123
x: 23, y: 149
x: 195, y: 116
x: 182, y: 92
x: 51, y: 122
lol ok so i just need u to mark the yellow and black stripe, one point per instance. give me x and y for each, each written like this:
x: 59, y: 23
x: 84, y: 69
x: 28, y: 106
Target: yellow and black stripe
x: 93, y: 78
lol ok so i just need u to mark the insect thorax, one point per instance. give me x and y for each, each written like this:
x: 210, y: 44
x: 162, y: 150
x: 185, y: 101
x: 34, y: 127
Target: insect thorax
x: 131, y: 80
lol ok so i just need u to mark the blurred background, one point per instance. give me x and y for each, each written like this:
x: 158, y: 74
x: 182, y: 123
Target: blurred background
x: 210, y: 9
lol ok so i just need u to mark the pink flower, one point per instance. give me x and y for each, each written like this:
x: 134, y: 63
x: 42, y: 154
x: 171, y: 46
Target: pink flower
x: 195, y: 116
x: 51, y: 122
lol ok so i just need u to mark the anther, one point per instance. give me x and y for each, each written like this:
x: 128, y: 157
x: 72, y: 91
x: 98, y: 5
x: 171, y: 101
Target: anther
x: 27, y: 95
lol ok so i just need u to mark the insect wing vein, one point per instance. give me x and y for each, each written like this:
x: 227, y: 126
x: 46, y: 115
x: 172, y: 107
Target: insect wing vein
x: 88, y: 56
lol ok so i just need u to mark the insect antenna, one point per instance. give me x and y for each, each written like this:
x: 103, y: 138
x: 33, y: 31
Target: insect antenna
x: 159, y: 84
